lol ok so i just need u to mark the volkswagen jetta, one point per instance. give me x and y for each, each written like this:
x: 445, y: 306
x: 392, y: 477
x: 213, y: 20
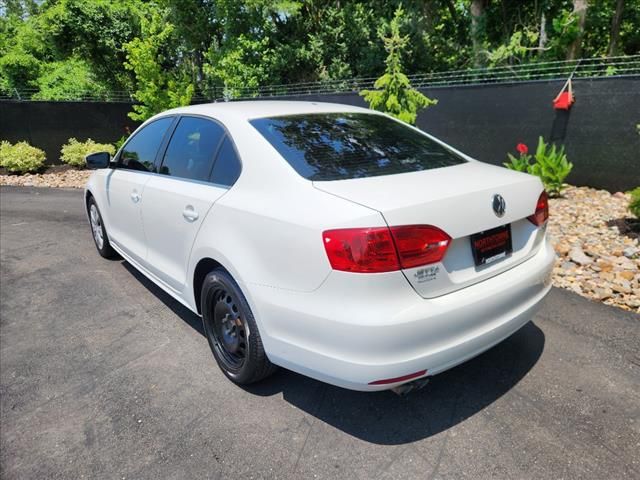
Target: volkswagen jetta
x: 331, y: 240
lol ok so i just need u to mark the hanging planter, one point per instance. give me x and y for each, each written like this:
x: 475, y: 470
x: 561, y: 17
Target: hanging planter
x: 565, y: 98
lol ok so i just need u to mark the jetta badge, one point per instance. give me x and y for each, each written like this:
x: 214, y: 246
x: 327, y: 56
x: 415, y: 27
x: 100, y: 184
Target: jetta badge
x: 499, y: 205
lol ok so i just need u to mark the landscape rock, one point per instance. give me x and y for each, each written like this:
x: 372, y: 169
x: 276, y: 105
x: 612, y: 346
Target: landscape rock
x: 578, y: 256
x: 607, y: 261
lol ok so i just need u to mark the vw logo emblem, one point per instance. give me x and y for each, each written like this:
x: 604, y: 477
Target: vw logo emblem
x: 499, y: 205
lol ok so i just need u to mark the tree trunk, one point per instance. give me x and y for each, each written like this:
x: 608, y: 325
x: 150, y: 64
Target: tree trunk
x: 579, y: 9
x: 478, y: 30
x: 452, y: 11
x: 615, y: 28
x: 542, y: 41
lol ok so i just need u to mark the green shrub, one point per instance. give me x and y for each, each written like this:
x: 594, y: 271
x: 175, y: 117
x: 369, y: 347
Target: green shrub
x: 74, y: 151
x: 634, y: 205
x: 21, y: 157
x: 550, y: 164
x: 519, y: 164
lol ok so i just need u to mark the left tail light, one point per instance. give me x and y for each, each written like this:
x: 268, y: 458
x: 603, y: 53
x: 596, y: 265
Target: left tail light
x: 383, y: 249
x: 541, y: 214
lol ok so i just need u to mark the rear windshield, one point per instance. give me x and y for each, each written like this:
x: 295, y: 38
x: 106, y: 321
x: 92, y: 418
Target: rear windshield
x: 339, y: 146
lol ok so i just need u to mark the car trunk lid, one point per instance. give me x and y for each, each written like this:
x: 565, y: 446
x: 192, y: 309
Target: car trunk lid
x: 459, y: 200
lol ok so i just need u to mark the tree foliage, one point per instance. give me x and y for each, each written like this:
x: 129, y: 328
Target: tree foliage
x: 393, y: 94
x: 159, y: 87
x: 231, y: 45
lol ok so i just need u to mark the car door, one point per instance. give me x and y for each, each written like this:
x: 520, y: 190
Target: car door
x: 198, y: 167
x: 125, y: 184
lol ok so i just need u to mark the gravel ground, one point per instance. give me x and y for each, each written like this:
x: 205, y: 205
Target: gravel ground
x: 596, y: 259
x: 53, y: 177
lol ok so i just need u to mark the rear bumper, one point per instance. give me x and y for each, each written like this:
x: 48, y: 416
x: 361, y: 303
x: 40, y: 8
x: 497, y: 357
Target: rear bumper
x: 355, y: 329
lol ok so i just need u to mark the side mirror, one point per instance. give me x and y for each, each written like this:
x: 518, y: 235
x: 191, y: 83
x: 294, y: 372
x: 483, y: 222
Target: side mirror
x: 97, y: 160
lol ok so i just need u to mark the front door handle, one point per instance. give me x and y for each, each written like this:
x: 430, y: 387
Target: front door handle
x: 189, y: 214
x: 135, y: 197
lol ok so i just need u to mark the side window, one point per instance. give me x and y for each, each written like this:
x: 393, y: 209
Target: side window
x: 227, y: 168
x: 140, y: 152
x: 192, y: 149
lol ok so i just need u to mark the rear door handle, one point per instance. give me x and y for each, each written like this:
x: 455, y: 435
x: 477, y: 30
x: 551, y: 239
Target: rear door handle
x: 189, y: 214
x: 135, y: 196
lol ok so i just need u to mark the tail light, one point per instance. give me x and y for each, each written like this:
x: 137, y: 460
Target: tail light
x: 363, y: 250
x: 382, y: 249
x: 542, y: 210
x: 420, y: 244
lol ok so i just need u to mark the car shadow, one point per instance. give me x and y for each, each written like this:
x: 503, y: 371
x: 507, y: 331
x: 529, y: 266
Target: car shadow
x: 383, y: 417
x: 449, y: 398
x: 190, y: 318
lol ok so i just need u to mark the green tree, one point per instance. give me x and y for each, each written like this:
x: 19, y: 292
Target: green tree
x: 394, y: 94
x: 70, y: 79
x: 160, y: 83
x: 96, y: 31
x: 23, y: 50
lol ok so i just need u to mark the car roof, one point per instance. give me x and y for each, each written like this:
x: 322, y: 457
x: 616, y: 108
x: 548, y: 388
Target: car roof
x: 247, y: 110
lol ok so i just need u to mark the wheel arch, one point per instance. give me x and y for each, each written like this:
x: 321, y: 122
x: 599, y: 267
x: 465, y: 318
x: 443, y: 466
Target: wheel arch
x: 87, y: 195
x: 202, y: 269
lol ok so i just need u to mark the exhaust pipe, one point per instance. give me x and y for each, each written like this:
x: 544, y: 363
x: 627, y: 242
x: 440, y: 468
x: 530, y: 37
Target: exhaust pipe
x: 407, y: 388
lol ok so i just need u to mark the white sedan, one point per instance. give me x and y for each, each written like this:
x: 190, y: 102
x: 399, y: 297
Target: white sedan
x: 331, y: 240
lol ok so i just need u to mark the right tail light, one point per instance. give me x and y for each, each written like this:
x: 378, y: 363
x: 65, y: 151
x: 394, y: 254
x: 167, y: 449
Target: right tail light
x: 542, y: 210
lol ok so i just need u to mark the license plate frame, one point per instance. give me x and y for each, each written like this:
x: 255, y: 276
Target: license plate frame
x: 491, y: 245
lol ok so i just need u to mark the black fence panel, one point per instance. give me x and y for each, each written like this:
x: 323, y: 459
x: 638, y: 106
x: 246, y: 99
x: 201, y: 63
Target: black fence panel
x: 599, y: 131
x: 48, y: 125
x: 484, y: 121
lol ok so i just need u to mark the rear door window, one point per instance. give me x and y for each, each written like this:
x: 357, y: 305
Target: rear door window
x: 227, y: 167
x: 338, y: 146
x: 140, y: 151
x: 192, y: 149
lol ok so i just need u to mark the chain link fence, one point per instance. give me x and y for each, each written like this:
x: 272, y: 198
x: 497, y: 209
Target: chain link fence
x: 555, y: 70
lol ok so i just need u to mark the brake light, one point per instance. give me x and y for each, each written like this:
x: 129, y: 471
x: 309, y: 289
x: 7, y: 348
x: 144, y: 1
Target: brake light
x: 364, y: 250
x: 542, y: 210
x: 420, y: 244
x: 380, y: 249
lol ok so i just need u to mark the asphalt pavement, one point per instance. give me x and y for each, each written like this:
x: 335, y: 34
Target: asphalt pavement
x: 102, y: 375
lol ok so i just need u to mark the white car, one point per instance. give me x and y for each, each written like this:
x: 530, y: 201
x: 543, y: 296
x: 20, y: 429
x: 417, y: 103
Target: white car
x: 331, y: 240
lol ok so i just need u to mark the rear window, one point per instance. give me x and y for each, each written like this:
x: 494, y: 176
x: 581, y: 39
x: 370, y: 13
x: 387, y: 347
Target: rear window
x: 339, y: 146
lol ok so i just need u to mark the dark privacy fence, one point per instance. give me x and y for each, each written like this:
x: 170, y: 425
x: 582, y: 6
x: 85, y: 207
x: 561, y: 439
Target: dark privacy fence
x: 484, y: 121
x: 48, y: 125
x: 487, y: 121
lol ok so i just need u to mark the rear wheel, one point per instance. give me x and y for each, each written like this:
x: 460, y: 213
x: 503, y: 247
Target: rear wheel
x: 98, y: 231
x: 232, y: 331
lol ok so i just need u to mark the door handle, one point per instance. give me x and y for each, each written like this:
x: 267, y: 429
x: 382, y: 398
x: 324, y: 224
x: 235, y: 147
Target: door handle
x: 135, y: 196
x: 189, y: 214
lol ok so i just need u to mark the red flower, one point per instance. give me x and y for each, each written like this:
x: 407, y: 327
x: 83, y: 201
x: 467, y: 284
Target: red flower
x: 522, y: 148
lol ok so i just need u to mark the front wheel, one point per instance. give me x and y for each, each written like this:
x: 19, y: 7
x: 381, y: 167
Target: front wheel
x: 232, y: 331
x: 98, y: 231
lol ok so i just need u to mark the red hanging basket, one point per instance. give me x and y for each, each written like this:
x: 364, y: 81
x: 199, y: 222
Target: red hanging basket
x: 565, y: 98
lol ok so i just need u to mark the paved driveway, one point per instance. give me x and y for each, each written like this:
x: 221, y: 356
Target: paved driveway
x: 104, y: 376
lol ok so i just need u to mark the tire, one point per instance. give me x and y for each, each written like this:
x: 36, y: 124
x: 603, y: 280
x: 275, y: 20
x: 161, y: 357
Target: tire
x: 98, y: 232
x: 232, y: 331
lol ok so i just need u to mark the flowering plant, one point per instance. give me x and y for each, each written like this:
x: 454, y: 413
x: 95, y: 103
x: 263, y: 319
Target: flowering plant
x: 550, y: 164
x: 521, y: 163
